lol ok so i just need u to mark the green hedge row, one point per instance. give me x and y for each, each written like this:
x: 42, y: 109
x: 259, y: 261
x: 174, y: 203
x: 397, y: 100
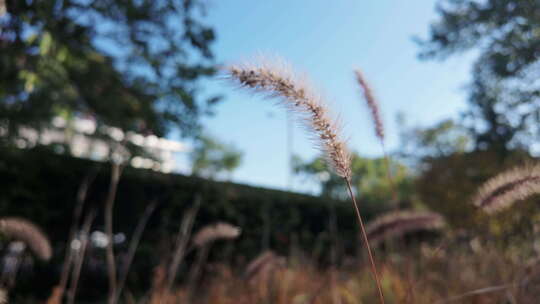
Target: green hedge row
x: 42, y: 186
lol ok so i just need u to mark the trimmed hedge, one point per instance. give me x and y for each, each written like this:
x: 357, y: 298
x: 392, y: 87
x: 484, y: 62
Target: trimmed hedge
x: 42, y: 187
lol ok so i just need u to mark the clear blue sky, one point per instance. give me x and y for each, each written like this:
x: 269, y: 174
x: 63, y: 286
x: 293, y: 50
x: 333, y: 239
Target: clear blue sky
x: 327, y: 39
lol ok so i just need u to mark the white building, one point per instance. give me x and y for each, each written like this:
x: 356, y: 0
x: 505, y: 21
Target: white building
x: 79, y: 135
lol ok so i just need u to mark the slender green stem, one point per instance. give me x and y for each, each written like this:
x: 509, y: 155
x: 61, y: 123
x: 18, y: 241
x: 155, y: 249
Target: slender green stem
x: 366, y: 242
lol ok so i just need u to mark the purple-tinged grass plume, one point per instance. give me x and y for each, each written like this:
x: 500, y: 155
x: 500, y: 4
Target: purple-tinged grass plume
x: 262, y: 265
x: 398, y: 223
x: 372, y: 104
x: 298, y: 97
x: 503, y: 190
x: 214, y: 232
x: 29, y: 233
x: 374, y: 108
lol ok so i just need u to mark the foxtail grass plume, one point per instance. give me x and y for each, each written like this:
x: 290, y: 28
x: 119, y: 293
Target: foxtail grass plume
x: 297, y: 96
x: 27, y: 232
x: 503, y: 190
x: 218, y: 231
x: 397, y: 223
x: 263, y: 264
x: 372, y: 104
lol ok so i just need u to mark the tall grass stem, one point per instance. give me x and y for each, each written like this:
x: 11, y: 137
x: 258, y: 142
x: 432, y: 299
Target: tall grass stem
x: 76, y: 217
x: 182, y: 239
x: 134, y: 243
x: 116, y: 171
x: 366, y: 242
x: 79, y: 259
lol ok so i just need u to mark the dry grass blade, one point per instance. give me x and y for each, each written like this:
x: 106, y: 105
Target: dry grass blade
x: 27, y: 232
x: 372, y: 104
x: 476, y: 292
x: 503, y: 190
x: 298, y: 97
x: 398, y: 223
x: 215, y: 232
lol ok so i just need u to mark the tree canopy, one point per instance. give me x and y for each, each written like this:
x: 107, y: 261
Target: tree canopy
x: 419, y: 144
x: 211, y: 158
x: 505, y: 91
x: 370, y: 179
x: 130, y: 64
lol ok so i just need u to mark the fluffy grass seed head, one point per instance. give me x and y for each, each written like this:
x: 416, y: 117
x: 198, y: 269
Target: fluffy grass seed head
x: 372, y: 104
x: 262, y: 265
x: 297, y: 96
x: 397, y: 223
x: 29, y: 233
x: 503, y: 190
x: 218, y: 231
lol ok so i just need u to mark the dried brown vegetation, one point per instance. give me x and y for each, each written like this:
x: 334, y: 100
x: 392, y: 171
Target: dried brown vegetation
x: 430, y: 275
